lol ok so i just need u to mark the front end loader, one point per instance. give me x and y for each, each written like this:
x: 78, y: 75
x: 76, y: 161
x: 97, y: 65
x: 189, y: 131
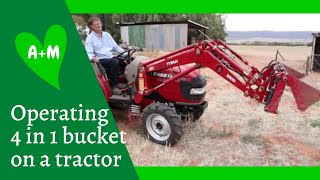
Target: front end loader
x: 166, y: 90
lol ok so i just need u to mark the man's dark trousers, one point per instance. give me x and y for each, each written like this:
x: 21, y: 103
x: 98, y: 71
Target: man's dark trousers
x: 113, y: 69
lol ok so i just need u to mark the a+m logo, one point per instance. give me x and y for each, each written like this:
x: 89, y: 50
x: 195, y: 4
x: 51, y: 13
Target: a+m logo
x: 51, y: 52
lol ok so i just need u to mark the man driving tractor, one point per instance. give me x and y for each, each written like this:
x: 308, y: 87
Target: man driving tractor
x: 100, y: 47
x: 169, y: 89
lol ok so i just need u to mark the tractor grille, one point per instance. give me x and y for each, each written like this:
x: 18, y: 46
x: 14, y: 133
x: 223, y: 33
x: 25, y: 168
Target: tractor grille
x: 198, y: 82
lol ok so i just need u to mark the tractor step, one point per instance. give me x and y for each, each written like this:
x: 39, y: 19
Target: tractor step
x: 135, y: 110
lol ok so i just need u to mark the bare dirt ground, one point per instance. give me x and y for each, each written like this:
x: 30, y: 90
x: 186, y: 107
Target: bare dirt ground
x: 234, y: 130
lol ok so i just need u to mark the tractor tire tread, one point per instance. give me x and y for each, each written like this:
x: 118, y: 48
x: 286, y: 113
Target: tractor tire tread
x: 173, y: 119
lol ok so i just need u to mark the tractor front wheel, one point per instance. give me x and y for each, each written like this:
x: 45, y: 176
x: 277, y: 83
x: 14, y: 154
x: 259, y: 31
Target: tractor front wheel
x: 162, y: 124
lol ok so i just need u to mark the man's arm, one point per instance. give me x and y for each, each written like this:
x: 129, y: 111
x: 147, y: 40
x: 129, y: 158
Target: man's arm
x: 89, y: 48
x: 116, y: 48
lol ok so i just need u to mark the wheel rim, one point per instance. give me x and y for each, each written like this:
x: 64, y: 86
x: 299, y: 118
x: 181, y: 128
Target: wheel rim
x: 158, y: 127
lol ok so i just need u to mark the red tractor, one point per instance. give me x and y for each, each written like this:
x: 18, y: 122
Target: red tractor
x: 168, y: 89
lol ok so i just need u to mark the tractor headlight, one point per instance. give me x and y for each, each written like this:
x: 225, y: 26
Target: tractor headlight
x: 197, y: 91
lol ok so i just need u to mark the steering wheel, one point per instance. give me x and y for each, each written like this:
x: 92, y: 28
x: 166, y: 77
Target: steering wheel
x: 129, y: 54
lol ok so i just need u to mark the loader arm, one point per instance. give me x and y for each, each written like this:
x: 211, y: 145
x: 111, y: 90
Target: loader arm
x: 266, y: 86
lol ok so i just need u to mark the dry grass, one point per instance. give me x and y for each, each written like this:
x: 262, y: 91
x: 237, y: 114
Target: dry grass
x: 234, y: 130
x: 315, y: 123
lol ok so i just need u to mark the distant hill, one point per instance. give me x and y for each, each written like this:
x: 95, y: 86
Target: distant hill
x: 271, y: 34
x: 270, y: 37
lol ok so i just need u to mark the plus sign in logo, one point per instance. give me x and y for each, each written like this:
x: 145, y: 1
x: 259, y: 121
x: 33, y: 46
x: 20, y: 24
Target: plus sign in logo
x: 44, y: 59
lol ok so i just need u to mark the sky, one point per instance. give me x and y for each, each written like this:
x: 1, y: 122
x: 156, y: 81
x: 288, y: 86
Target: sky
x: 273, y: 22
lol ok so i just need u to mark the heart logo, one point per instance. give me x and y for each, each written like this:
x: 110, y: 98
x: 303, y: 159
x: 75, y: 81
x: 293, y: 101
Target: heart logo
x: 44, y: 60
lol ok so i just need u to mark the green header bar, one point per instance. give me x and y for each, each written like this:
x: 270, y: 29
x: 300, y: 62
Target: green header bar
x: 203, y: 6
x: 248, y: 173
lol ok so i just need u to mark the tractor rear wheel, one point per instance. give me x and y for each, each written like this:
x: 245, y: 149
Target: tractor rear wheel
x: 162, y: 124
